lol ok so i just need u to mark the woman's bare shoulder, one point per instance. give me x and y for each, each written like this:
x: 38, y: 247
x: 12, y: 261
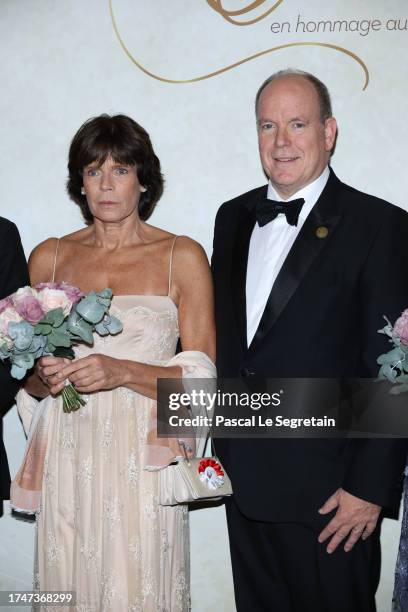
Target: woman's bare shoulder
x: 41, y: 261
x: 156, y: 234
x: 188, y: 248
x: 189, y: 259
x: 42, y: 258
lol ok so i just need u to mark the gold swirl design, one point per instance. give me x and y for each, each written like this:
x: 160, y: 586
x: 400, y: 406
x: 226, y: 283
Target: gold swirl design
x: 238, y: 63
x: 228, y: 15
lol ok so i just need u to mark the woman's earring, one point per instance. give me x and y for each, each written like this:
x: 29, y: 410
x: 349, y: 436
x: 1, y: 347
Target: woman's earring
x: 143, y: 189
x: 82, y: 190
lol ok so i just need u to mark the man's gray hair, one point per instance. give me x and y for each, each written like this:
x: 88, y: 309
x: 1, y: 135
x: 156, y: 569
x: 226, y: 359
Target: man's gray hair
x: 320, y: 88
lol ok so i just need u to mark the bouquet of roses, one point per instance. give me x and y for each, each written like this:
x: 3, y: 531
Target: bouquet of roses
x: 49, y: 319
x: 394, y: 364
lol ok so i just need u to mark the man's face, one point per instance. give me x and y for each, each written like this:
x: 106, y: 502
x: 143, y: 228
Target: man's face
x: 294, y: 144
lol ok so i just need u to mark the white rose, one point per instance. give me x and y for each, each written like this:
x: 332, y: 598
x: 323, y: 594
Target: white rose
x: 54, y: 298
x: 20, y: 295
x: 7, y: 316
x: 6, y: 340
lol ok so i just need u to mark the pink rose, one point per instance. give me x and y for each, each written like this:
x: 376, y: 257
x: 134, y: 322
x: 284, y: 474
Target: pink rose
x: 54, y: 298
x: 30, y: 309
x: 73, y: 293
x: 401, y: 327
x: 7, y: 316
x: 23, y: 292
x: 27, y: 305
x: 42, y: 286
x: 6, y: 303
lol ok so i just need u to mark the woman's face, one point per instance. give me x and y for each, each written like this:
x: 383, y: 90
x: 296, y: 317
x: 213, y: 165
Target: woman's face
x: 112, y: 190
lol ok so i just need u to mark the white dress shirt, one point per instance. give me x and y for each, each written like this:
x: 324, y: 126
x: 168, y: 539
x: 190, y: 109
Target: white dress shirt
x: 269, y: 247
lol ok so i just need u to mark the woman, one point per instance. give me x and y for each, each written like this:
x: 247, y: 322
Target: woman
x: 101, y: 531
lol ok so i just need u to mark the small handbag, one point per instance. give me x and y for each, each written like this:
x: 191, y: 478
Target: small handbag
x: 193, y: 480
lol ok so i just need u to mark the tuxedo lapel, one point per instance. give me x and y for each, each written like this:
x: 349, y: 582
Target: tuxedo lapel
x: 315, y: 234
x: 245, y: 225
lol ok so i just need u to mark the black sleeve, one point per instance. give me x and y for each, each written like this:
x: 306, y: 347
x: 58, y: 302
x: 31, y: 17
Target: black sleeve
x: 376, y: 471
x: 217, y: 224
x: 13, y: 274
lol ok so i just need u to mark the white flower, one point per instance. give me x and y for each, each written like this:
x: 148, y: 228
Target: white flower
x: 21, y: 294
x: 54, y: 298
x: 8, y: 316
x: 6, y: 340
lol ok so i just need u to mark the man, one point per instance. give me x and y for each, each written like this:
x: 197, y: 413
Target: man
x: 300, y: 292
x: 13, y: 274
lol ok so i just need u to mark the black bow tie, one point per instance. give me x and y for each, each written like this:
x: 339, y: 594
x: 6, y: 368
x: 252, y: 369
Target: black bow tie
x: 267, y: 210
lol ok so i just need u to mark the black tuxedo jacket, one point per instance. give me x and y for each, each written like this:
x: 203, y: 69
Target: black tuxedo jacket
x: 320, y: 321
x: 13, y: 274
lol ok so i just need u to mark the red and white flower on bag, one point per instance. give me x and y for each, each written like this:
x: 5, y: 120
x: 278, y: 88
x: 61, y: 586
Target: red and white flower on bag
x: 211, y: 473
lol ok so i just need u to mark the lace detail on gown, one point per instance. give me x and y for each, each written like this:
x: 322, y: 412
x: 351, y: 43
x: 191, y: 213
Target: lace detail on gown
x: 101, y: 531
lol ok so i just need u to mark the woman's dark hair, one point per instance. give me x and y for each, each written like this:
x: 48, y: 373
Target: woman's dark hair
x: 124, y: 140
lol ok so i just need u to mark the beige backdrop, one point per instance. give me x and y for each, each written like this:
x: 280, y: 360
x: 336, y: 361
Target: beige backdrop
x: 63, y: 62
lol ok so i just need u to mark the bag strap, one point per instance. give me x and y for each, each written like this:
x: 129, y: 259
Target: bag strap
x: 182, y: 445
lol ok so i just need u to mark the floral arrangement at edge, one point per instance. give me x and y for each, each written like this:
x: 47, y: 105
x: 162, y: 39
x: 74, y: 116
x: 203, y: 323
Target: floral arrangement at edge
x: 394, y: 364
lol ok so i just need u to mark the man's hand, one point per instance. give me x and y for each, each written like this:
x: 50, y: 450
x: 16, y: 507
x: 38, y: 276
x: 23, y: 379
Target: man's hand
x: 354, y: 518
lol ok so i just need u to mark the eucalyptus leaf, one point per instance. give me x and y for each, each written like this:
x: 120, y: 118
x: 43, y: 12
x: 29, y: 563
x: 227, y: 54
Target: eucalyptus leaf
x: 59, y: 338
x: 388, y: 329
x: 41, y: 349
x: 20, y: 364
x: 61, y: 351
x: 105, y: 302
x: 105, y: 293
x: 4, y: 351
x: 80, y: 328
x: 54, y: 317
x: 18, y: 371
x: 101, y: 328
x: 63, y: 328
x: 109, y: 325
x: 90, y: 309
x: 43, y: 329
x: 392, y: 357
x: 386, y: 371
x: 21, y: 333
x: 37, y: 345
x: 113, y: 325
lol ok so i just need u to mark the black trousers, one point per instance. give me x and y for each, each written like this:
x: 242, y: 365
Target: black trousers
x: 281, y: 567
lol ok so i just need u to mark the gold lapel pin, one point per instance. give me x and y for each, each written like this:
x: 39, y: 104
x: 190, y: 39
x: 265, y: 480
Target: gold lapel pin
x: 322, y: 231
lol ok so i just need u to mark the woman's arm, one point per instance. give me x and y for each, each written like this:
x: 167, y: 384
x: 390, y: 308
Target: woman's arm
x: 192, y: 288
x: 40, y: 266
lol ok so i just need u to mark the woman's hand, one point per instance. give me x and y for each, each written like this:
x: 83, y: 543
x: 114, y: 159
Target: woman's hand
x: 48, y: 370
x: 93, y: 373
